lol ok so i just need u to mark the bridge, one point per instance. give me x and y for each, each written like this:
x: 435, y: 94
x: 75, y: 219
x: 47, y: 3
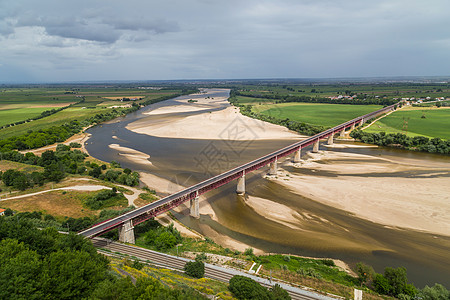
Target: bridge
x: 126, y: 222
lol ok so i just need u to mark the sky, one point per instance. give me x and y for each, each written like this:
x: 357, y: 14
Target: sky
x: 100, y: 40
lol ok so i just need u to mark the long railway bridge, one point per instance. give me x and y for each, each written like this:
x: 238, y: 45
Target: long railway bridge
x: 126, y: 222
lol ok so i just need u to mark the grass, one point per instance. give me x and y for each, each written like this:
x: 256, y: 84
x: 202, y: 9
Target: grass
x: 174, y: 279
x: 315, y: 113
x: 435, y: 124
x: 316, y: 268
x: 56, y: 203
x: 6, y: 165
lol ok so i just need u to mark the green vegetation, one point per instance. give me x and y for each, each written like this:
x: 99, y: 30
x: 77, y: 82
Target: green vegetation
x: 106, y: 198
x: 60, y: 124
x: 43, y: 264
x: 195, y: 268
x: 162, y: 238
x: 314, y: 268
x: 327, y: 115
x: 246, y: 288
x: 417, y: 143
x: 430, y: 123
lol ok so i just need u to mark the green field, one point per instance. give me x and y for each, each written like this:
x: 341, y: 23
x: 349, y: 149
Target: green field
x: 19, y: 104
x: 409, y: 120
x: 315, y: 113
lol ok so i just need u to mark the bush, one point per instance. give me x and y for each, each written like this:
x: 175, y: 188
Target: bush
x: 246, y: 288
x: 195, y: 269
x: 98, y: 201
x: 248, y: 251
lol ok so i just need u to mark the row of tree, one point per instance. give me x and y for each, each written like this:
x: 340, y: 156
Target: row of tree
x: 400, y: 140
x: 284, y: 98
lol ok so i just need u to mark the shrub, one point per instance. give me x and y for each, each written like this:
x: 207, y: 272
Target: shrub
x: 246, y: 288
x: 195, y: 269
x: 248, y: 251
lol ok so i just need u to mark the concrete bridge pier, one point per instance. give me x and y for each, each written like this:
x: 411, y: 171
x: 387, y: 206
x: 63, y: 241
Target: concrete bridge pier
x: 195, y: 207
x: 316, y: 147
x: 273, y: 167
x: 126, y: 232
x: 241, y: 185
x: 330, y: 139
x: 353, y: 127
x: 361, y: 122
x: 342, y: 133
x: 297, y: 155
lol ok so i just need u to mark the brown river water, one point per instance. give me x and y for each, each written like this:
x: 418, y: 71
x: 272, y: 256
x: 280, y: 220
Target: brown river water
x: 343, y: 236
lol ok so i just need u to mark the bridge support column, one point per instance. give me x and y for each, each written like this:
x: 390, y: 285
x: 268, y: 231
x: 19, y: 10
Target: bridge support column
x: 361, y: 122
x: 297, y: 155
x: 316, y: 147
x: 195, y: 207
x: 241, y: 185
x: 273, y: 167
x: 353, y: 127
x: 330, y: 139
x: 342, y: 133
x: 126, y: 232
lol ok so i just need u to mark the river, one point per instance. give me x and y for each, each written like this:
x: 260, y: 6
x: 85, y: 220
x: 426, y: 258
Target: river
x: 331, y: 232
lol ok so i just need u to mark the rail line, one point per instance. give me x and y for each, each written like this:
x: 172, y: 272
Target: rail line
x: 211, y: 271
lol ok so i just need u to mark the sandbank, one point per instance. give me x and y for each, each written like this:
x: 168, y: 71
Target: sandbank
x: 376, y: 189
x: 226, y: 123
x: 132, y: 154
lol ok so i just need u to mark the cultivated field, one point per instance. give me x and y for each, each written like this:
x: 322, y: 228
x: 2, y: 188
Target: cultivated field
x: 20, y: 104
x: 315, y: 113
x: 413, y: 121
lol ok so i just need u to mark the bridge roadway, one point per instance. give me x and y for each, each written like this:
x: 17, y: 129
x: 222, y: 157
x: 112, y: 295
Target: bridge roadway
x: 151, y: 210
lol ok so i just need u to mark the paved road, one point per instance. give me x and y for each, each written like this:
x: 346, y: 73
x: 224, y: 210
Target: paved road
x: 211, y: 271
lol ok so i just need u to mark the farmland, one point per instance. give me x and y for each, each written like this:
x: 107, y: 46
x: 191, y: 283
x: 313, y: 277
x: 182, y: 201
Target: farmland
x: 315, y: 113
x: 20, y: 104
x: 414, y: 121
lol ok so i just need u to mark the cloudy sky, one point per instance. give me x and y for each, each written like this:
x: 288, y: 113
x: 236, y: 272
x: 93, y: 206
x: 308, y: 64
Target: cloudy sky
x: 85, y: 40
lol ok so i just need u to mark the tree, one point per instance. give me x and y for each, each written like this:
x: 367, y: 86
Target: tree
x: 246, y: 288
x: 195, y: 269
x: 365, y: 272
x: 72, y: 274
x: 278, y: 293
x: 165, y: 240
x: 437, y: 292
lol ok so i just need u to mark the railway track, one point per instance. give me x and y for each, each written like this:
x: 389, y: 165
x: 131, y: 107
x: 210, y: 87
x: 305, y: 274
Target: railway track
x: 211, y: 271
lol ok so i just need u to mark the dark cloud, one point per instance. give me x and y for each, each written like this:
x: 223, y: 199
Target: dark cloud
x: 225, y: 39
